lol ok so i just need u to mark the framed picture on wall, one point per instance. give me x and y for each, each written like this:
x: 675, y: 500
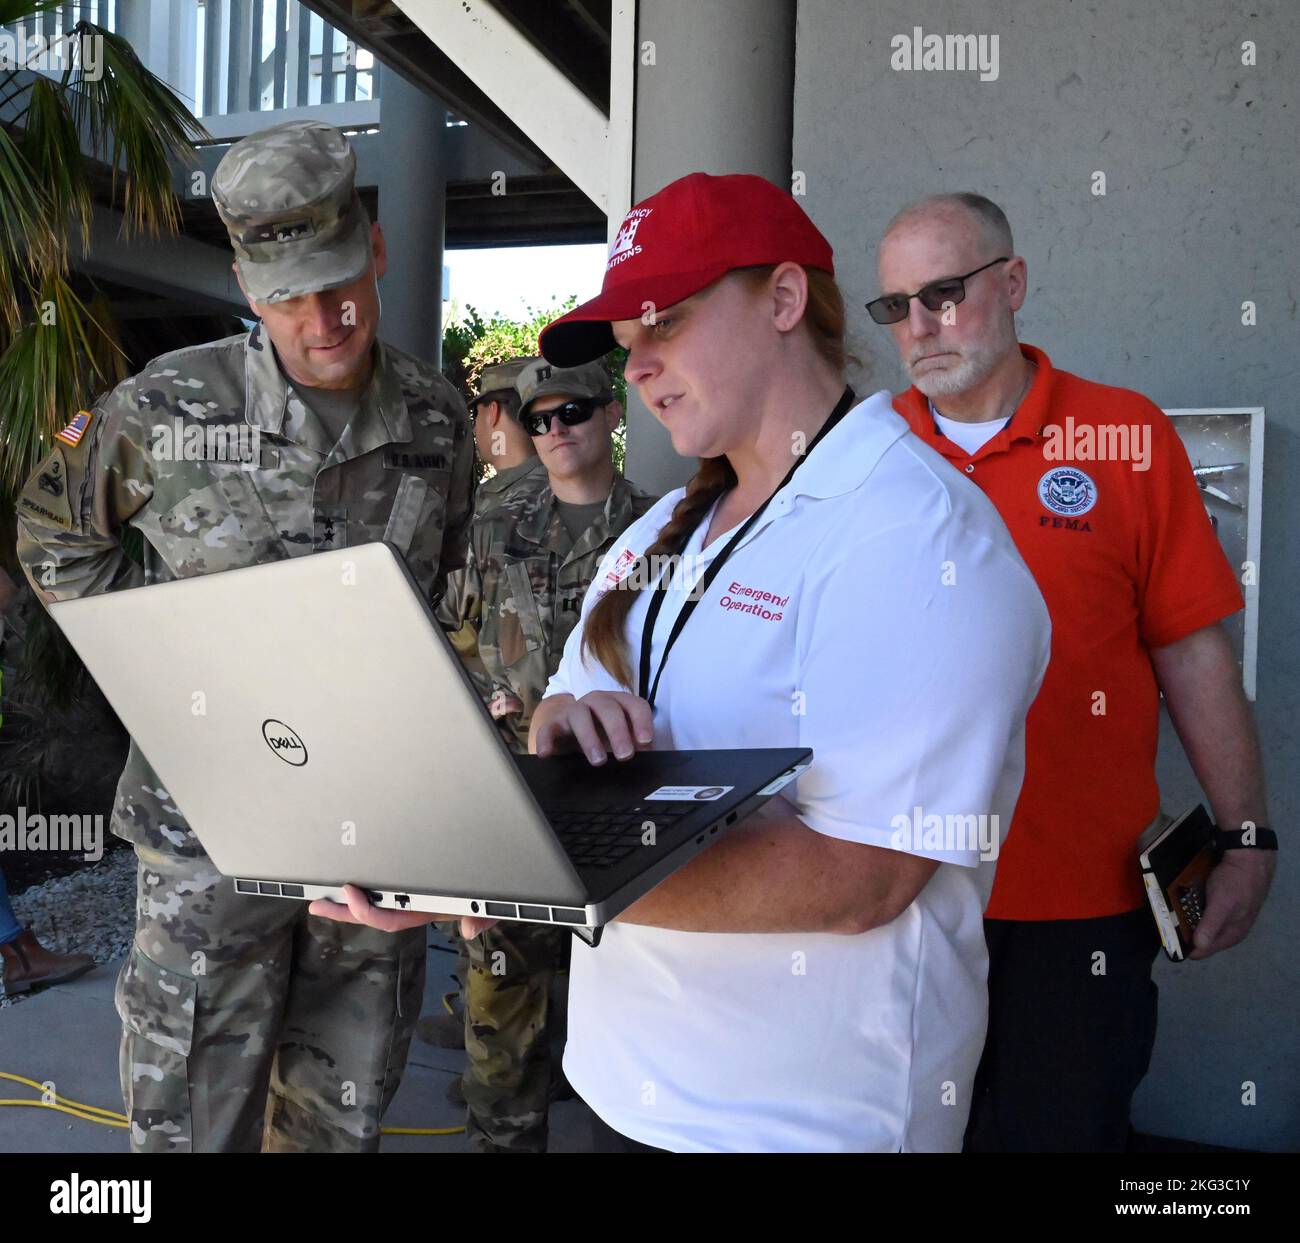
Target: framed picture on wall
x: 1226, y: 448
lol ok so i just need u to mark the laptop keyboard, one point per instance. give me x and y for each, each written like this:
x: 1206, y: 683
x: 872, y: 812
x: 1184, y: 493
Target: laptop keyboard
x: 604, y: 838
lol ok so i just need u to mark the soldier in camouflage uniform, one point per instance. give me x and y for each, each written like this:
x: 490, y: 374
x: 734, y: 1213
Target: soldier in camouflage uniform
x: 500, y: 441
x: 530, y: 562
x: 504, y: 445
x: 247, y: 1022
x: 508, y: 449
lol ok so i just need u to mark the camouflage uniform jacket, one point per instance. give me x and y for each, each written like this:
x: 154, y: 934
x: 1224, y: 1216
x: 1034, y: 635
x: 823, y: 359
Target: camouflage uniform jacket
x: 156, y: 455
x: 528, y: 476
x: 520, y: 593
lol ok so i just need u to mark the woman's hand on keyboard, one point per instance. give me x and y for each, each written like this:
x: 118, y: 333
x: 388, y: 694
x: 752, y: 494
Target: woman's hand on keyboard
x: 600, y: 723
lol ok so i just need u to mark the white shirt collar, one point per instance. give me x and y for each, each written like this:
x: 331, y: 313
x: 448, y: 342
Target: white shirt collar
x: 850, y: 451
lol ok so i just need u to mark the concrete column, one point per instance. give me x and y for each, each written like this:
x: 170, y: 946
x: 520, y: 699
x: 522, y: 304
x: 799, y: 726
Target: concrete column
x: 412, y: 211
x: 718, y: 98
x: 163, y: 36
x: 144, y: 26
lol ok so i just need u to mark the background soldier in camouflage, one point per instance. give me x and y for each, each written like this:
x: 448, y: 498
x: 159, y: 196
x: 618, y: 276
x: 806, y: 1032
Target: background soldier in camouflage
x: 508, y: 449
x: 501, y: 442
x: 530, y: 562
x: 504, y: 445
x: 337, y: 440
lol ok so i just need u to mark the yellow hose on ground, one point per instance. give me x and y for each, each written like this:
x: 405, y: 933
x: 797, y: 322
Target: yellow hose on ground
x: 106, y: 1117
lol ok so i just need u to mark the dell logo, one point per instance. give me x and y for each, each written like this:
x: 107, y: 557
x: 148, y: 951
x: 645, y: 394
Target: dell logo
x: 284, y: 742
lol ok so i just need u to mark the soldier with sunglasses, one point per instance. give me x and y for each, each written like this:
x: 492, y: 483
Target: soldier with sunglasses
x: 532, y: 557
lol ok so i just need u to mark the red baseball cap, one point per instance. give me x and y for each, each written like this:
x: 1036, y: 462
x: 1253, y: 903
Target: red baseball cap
x: 679, y: 241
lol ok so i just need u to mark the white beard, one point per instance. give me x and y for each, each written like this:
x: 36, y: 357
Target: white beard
x: 976, y: 365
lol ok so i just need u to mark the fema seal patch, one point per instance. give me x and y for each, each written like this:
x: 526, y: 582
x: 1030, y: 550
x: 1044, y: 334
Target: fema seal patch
x: 1067, y: 490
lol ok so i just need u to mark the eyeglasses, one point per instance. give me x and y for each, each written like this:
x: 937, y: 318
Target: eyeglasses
x: 571, y: 413
x: 890, y: 308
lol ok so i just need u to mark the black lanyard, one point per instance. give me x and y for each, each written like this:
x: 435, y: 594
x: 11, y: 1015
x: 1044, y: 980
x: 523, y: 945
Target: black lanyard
x: 660, y: 590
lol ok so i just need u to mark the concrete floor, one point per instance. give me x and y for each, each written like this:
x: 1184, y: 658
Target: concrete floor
x: 69, y: 1035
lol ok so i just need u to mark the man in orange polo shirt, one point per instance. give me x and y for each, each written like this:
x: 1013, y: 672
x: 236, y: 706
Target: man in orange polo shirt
x: 1098, y: 494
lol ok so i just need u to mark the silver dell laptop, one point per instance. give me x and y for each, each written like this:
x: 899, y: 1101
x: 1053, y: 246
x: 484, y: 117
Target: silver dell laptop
x: 315, y: 726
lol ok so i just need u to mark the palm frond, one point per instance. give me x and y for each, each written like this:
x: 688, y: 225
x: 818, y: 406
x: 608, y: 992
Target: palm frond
x: 44, y: 647
x: 24, y: 238
x: 52, y: 150
x: 47, y: 373
x: 108, y: 361
x: 13, y: 11
x: 57, y: 353
x: 134, y: 120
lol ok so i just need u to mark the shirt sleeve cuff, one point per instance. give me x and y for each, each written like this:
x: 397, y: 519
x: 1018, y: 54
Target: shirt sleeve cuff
x: 1190, y: 621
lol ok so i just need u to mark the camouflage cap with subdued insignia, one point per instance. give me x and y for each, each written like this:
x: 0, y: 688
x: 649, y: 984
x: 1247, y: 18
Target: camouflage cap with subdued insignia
x: 288, y: 199
x: 541, y: 379
x: 500, y: 376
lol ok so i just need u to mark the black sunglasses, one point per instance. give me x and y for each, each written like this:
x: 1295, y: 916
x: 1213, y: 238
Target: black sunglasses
x: 571, y: 413
x: 890, y: 308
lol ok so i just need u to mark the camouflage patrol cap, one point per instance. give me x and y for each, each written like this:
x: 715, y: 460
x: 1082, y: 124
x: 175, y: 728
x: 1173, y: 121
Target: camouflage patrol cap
x: 288, y: 200
x: 541, y: 379
x: 500, y: 377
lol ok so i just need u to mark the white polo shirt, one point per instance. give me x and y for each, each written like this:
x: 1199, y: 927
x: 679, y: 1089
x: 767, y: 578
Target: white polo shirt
x: 896, y: 632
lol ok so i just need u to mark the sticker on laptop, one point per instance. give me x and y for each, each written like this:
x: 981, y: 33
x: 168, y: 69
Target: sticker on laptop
x: 785, y: 778
x: 686, y: 794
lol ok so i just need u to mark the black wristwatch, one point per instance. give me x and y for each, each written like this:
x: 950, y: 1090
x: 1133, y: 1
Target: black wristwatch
x: 1233, y: 839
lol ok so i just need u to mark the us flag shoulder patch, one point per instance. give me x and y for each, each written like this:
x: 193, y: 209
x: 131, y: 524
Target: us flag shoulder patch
x: 72, y: 434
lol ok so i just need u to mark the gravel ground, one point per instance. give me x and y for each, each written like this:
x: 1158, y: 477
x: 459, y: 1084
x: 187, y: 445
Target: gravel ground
x: 91, y: 911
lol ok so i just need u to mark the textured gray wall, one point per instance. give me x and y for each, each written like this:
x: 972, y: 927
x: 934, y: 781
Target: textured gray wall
x: 1141, y: 288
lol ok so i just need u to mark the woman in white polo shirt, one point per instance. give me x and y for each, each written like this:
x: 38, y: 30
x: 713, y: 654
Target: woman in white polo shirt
x: 816, y: 979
